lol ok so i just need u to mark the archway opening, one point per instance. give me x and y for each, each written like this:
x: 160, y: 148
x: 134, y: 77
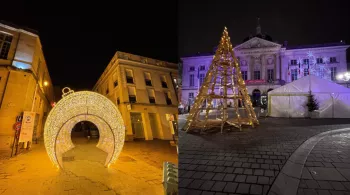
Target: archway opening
x: 85, y: 131
x: 85, y: 137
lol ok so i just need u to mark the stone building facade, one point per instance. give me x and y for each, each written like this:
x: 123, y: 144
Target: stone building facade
x: 144, y: 91
x: 25, y: 83
x: 266, y: 65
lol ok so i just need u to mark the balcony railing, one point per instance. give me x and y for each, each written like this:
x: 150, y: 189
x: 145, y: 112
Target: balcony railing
x: 164, y: 84
x: 148, y: 82
x: 152, y: 100
x: 130, y: 80
x: 132, y: 98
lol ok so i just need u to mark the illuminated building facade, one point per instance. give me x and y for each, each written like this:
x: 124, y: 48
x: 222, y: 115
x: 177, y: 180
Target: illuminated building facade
x: 25, y: 83
x: 144, y: 91
x: 266, y: 65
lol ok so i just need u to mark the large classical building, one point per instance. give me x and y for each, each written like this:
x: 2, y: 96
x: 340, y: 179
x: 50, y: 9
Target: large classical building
x: 25, y: 83
x: 144, y: 90
x: 266, y: 65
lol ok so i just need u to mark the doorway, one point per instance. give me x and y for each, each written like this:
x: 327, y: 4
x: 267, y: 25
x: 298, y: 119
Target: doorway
x: 256, y: 95
x: 137, y: 126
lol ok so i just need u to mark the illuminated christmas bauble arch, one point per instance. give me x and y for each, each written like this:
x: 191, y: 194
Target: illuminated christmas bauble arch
x: 75, y: 107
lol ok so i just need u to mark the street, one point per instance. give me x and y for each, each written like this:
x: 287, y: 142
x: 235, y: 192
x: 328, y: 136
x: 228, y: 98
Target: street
x: 279, y: 156
x: 138, y: 170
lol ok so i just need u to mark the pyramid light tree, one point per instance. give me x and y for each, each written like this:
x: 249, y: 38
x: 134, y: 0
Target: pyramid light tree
x: 223, y: 75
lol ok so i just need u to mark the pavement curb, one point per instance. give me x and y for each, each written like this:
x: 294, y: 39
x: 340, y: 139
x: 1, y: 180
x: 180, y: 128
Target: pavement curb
x: 288, y: 179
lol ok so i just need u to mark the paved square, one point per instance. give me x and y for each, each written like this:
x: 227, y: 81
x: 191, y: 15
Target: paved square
x: 138, y: 170
x: 249, y: 160
x: 327, y: 174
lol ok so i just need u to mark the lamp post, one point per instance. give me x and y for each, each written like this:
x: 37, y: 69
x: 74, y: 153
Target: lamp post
x: 344, y: 77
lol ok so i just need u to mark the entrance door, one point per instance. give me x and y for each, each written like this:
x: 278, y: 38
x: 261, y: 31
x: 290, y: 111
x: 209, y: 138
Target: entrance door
x: 256, y: 97
x: 137, y: 127
x: 154, y: 125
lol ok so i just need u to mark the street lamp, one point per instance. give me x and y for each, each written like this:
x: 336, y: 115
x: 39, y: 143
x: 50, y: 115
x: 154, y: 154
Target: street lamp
x: 46, y: 83
x: 344, y: 77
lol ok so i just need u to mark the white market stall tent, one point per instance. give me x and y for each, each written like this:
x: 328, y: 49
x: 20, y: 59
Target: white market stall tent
x: 290, y: 100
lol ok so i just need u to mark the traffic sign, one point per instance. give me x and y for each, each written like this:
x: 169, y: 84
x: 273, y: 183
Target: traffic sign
x: 17, y: 126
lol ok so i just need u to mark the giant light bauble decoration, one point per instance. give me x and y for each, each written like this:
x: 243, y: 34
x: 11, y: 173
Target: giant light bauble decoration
x: 75, y: 107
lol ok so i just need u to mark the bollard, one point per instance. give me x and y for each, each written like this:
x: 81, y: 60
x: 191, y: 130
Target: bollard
x: 170, y: 178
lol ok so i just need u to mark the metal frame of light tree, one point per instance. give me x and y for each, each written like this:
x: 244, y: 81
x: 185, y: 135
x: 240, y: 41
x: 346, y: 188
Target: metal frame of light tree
x: 226, y: 68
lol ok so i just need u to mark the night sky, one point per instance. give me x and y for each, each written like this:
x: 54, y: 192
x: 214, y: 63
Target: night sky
x: 80, y: 40
x: 298, y: 22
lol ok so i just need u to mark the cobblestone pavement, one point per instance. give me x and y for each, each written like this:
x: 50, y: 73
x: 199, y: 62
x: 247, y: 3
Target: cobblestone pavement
x: 327, y: 169
x: 244, y: 162
x: 133, y: 173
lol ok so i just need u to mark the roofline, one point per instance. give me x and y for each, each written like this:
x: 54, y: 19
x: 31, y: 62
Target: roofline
x: 18, y: 29
x: 255, y: 38
x: 286, y: 49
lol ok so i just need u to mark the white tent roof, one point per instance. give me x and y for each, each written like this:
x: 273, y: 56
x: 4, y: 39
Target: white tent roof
x: 318, y: 85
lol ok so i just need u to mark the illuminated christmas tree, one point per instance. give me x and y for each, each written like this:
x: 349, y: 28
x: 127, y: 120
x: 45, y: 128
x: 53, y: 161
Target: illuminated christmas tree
x: 232, y: 105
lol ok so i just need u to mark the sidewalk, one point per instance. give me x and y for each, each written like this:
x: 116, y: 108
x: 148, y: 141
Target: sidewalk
x: 134, y: 172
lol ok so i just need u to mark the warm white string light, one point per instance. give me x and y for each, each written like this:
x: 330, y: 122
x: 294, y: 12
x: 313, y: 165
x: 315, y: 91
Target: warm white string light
x: 83, y: 106
x: 225, y: 66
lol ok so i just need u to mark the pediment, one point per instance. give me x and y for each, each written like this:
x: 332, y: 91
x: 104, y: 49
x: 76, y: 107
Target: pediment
x: 256, y: 43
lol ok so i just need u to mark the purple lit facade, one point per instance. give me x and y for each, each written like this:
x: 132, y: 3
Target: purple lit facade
x: 267, y: 65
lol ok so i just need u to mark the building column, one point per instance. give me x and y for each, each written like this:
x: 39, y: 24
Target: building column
x: 251, y: 68
x: 147, y: 126
x: 263, y: 67
x: 127, y: 121
x: 277, y: 66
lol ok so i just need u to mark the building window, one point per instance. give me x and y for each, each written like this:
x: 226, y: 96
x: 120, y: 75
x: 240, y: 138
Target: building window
x: 167, y: 98
x: 129, y: 76
x: 306, y: 61
x: 306, y: 71
x: 115, y: 78
x: 294, y: 74
x: 333, y: 60
x: 192, y: 68
x: 151, y: 96
x: 270, y: 76
x: 256, y: 75
x: 201, y: 79
x: 163, y: 80
x: 333, y: 73
x: 293, y: 62
x: 107, y: 90
x: 132, y: 94
x: 191, y: 80
x: 319, y: 61
x: 191, y: 95
x: 244, y: 75
x: 5, y: 44
x: 118, y: 101
x: 148, y: 80
x: 202, y: 68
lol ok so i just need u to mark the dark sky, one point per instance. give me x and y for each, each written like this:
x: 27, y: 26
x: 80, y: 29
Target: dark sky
x: 80, y: 39
x: 298, y: 22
